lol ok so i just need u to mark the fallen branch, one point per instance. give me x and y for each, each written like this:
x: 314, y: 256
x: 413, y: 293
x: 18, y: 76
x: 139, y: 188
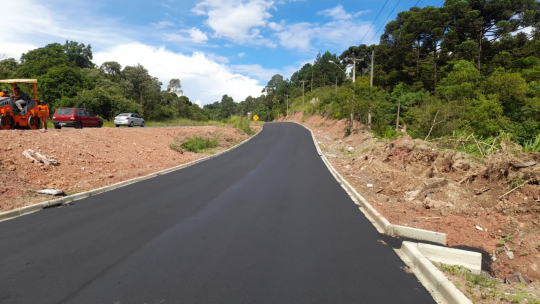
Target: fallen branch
x: 525, y: 182
x: 467, y: 177
x: 37, y: 158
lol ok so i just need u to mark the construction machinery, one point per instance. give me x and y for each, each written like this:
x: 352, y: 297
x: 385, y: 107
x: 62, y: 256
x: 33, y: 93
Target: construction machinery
x: 11, y: 117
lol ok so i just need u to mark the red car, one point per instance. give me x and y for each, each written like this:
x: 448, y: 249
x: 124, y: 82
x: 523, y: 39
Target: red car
x: 75, y: 117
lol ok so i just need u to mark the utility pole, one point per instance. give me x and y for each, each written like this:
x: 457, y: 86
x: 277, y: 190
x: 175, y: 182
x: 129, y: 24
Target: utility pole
x: 372, y: 60
x: 287, y: 105
x: 311, y: 82
x: 303, y: 82
x: 336, y: 85
x: 354, y: 60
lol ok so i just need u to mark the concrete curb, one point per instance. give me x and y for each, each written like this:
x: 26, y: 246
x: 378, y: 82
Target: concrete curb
x: 4, y: 216
x: 451, y: 256
x: 381, y: 224
x: 429, y: 274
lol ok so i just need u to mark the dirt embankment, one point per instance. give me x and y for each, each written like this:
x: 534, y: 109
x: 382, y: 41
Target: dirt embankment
x: 417, y: 184
x: 93, y: 158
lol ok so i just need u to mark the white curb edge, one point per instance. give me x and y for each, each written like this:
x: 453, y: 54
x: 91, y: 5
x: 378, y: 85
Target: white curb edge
x: 381, y: 224
x: 4, y: 216
x: 427, y: 273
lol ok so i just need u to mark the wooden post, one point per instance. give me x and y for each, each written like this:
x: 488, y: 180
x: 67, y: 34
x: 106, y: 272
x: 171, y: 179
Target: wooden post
x: 369, y: 120
x: 372, y: 60
x: 397, y: 120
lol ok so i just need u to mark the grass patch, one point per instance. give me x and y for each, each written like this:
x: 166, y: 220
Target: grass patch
x: 532, y: 145
x: 241, y: 123
x: 195, y: 144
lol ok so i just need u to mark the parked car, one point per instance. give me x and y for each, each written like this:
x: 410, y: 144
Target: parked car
x: 75, y: 117
x: 128, y: 119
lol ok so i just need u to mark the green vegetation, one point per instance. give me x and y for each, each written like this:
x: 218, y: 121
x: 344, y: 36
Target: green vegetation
x: 195, y: 144
x: 242, y: 123
x: 465, y: 70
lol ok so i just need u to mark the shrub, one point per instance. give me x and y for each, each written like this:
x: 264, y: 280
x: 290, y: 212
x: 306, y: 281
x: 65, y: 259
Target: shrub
x: 241, y: 123
x: 194, y: 144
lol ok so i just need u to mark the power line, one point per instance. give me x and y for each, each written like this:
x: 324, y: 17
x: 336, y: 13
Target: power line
x: 442, y: 2
x: 384, y: 23
x: 418, y: 2
x: 373, y: 22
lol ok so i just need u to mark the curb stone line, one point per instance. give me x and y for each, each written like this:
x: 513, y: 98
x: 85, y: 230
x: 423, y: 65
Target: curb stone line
x: 4, y: 216
x: 442, y: 290
x: 381, y: 224
x: 424, y: 269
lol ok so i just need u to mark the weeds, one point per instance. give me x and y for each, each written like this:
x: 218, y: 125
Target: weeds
x: 532, y: 145
x: 479, y: 146
x: 241, y: 123
x: 195, y: 144
x: 516, y: 183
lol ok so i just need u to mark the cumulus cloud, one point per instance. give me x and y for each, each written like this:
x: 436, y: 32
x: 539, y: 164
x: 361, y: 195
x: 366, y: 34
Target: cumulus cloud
x: 256, y: 71
x: 162, y: 24
x: 202, y: 79
x: 237, y: 20
x: 195, y: 36
x: 340, y: 32
x: 241, y: 55
x: 339, y: 13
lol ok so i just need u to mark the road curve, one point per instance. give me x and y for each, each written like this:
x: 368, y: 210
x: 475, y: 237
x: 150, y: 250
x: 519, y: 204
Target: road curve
x: 264, y: 223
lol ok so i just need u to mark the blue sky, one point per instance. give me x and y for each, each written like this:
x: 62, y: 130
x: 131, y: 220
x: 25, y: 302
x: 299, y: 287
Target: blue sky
x: 215, y: 47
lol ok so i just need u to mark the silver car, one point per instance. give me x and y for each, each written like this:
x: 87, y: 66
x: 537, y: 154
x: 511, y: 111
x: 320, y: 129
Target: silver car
x: 128, y: 119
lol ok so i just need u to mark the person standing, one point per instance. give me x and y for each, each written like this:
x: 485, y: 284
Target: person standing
x: 43, y: 113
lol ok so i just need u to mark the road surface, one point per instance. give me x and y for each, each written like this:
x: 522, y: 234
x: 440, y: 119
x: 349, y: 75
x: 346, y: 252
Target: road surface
x: 264, y: 223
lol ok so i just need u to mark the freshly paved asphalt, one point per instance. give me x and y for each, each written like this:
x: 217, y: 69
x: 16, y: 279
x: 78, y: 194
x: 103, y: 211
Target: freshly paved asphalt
x: 264, y: 223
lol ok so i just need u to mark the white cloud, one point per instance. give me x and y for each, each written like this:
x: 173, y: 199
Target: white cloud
x: 275, y: 26
x: 202, y: 79
x: 343, y: 33
x: 255, y: 70
x: 237, y: 20
x: 339, y: 13
x: 195, y: 36
x: 162, y: 24
x: 241, y: 55
x: 199, y: 103
x: 48, y: 26
x: 15, y: 50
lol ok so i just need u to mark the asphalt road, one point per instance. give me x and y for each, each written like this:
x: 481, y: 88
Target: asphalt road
x: 264, y: 223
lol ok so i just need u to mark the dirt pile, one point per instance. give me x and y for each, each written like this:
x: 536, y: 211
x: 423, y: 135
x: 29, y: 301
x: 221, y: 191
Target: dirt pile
x: 92, y: 158
x: 418, y: 184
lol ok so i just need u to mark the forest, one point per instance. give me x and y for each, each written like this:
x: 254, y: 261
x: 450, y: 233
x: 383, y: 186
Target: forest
x: 469, y: 66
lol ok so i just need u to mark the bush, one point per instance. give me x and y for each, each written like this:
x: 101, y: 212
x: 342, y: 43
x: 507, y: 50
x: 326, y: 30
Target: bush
x: 242, y: 123
x: 194, y: 144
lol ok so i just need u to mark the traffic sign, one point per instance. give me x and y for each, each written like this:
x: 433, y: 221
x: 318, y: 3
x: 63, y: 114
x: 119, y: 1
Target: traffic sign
x: 255, y: 117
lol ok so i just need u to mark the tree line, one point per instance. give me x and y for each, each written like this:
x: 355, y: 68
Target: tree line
x: 470, y: 65
x: 67, y: 77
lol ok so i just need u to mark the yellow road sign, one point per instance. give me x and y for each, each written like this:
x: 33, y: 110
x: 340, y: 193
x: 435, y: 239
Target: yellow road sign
x: 255, y: 117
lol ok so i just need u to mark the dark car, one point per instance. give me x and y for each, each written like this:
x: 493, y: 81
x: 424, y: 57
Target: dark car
x: 75, y: 117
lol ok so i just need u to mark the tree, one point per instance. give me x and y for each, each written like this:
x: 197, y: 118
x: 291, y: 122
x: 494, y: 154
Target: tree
x: 79, y: 54
x: 112, y: 68
x: 175, y: 86
x: 37, y: 62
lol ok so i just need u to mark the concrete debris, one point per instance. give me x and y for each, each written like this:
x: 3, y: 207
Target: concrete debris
x: 525, y: 165
x: 369, y: 185
x: 479, y: 228
x: 508, y: 252
x: 411, y: 195
x: 51, y: 192
x: 517, y: 278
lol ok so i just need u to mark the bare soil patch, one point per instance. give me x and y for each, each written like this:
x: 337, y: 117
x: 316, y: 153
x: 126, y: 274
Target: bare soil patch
x: 93, y: 158
x: 418, y: 184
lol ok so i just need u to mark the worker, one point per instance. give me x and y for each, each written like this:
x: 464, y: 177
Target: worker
x: 21, y: 102
x: 43, y: 114
x: 4, y: 93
